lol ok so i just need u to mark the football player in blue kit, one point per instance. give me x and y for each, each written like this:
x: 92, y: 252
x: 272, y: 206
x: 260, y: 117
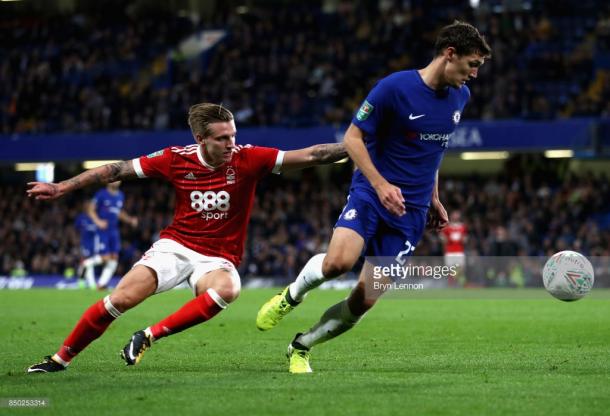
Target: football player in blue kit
x: 89, y: 248
x: 106, y: 209
x: 396, y: 140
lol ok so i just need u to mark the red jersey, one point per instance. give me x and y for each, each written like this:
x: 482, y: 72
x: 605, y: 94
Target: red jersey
x: 455, y: 236
x: 212, y: 204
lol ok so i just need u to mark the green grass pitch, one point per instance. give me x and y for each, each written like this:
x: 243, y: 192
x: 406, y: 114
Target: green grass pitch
x: 435, y: 352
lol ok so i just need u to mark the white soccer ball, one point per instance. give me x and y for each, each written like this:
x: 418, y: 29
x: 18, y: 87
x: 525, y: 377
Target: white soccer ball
x: 568, y: 275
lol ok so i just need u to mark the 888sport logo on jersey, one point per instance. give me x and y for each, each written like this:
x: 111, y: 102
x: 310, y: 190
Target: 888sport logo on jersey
x: 212, y: 205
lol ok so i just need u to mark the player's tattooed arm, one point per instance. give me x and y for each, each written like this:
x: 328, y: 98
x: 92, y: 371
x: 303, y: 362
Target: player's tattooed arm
x: 97, y: 176
x: 319, y: 154
x: 101, y: 175
x: 328, y: 153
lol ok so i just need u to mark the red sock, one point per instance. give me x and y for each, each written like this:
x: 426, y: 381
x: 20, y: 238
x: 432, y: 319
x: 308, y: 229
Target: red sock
x: 91, y: 325
x: 198, y: 310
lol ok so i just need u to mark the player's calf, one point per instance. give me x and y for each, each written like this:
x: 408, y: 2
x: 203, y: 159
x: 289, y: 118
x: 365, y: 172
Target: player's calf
x: 92, y: 324
x: 203, y: 308
x: 362, y: 298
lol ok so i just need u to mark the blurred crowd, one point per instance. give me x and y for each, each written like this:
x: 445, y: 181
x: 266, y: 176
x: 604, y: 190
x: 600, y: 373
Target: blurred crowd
x: 534, y: 214
x: 294, y: 64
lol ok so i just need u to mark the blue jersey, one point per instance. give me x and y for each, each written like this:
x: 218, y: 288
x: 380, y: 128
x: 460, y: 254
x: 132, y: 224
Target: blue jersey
x: 88, y: 234
x: 407, y: 128
x: 108, y: 206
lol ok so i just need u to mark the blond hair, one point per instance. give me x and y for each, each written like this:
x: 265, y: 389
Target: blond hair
x: 203, y: 114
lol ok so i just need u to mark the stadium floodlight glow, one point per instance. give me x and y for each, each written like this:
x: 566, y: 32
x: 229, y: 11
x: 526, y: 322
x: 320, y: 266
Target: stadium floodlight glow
x: 30, y: 166
x: 45, y: 171
x: 90, y: 164
x: 559, y: 153
x: 484, y: 155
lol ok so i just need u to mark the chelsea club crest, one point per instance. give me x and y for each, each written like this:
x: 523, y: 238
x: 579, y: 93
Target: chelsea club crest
x: 456, y: 117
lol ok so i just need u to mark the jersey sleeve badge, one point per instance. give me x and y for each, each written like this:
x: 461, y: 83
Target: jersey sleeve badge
x: 365, y: 111
x: 155, y: 154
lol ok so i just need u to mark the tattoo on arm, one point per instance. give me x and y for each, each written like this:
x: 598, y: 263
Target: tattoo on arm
x: 328, y: 153
x: 101, y: 175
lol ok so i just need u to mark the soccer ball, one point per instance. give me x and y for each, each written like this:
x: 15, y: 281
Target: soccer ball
x: 568, y: 275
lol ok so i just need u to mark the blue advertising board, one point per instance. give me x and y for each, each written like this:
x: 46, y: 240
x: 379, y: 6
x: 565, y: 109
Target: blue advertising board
x: 511, y: 135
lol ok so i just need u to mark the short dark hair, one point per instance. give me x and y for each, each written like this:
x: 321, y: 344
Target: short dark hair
x: 464, y: 37
x: 203, y: 114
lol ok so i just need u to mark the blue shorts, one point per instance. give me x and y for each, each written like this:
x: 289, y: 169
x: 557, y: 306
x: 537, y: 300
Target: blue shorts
x: 384, y: 234
x: 110, y: 241
x: 90, y: 246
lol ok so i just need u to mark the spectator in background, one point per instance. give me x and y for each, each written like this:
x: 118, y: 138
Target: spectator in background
x: 90, y: 72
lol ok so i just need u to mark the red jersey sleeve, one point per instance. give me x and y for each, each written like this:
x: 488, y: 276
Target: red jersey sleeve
x: 263, y: 160
x: 157, y: 164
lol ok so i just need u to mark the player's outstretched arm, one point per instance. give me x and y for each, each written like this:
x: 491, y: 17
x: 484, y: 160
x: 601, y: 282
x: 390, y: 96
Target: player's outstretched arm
x: 437, y: 215
x: 389, y: 195
x: 320, y: 154
x: 126, y: 218
x: 97, y: 176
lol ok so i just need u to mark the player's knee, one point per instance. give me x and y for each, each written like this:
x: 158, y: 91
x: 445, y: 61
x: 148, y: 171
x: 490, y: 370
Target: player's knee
x: 225, y: 285
x: 124, y: 301
x: 228, y: 293
x: 334, y: 266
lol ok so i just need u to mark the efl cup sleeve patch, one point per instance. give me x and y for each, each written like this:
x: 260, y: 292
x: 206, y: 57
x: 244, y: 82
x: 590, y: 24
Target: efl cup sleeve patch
x: 365, y: 111
x: 155, y: 154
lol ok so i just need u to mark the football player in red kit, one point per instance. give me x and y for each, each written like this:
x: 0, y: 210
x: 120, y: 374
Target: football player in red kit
x: 214, y: 182
x: 454, y: 236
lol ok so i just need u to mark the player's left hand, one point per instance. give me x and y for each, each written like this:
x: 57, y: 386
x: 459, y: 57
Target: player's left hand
x: 437, y: 216
x: 44, y: 191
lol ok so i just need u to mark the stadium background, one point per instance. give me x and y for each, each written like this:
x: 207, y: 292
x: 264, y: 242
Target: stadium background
x: 89, y: 81
x: 113, y: 80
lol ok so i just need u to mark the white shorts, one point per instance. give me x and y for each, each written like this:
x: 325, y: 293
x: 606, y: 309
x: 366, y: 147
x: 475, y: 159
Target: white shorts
x: 176, y: 264
x: 455, y: 259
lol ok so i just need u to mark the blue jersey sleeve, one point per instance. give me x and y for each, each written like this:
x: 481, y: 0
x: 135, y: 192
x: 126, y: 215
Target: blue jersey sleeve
x: 377, y: 104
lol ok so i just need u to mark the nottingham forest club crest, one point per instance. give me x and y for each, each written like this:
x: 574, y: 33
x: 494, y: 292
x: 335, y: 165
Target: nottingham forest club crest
x: 230, y: 175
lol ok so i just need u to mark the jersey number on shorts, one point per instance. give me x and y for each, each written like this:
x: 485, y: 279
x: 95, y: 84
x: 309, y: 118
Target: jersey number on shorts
x: 402, y: 255
x: 210, y: 200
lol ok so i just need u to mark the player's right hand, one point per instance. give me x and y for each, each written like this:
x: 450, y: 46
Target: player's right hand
x: 101, y: 224
x: 391, y: 198
x: 44, y: 191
